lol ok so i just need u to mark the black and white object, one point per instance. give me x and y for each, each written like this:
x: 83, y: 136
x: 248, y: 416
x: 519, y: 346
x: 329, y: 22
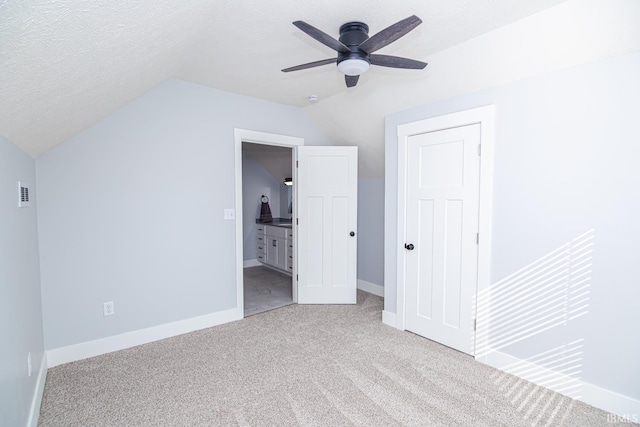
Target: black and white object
x: 355, y: 48
x: 24, y: 198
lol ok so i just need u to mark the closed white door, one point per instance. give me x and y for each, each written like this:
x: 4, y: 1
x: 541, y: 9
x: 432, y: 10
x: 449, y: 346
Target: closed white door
x: 327, y: 220
x: 443, y: 170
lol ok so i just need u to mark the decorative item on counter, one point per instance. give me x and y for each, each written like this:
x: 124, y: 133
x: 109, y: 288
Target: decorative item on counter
x: 265, y: 210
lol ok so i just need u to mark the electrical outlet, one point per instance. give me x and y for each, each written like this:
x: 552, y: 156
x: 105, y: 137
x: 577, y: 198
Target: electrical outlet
x: 29, y: 363
x: 229, y: 214
x: 108, y: 308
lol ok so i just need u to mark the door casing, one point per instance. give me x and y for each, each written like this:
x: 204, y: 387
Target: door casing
x: 254, y: 137
x: 485, y: 116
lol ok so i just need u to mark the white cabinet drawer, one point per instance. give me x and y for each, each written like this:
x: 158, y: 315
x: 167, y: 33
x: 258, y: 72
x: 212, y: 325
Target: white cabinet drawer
x: 289, y: 263
x: 272, y: 231
x: 260, y: 228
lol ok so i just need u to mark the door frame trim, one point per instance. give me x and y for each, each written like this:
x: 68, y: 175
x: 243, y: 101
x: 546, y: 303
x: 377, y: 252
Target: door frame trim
x: 485, y: 116
x: 255, y: 137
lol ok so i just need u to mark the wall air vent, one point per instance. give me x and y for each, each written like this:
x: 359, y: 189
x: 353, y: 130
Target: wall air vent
x: 23, y: 195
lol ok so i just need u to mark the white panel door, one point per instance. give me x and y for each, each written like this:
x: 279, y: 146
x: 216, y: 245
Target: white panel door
x: 327, y: 179
x: 443, y: 174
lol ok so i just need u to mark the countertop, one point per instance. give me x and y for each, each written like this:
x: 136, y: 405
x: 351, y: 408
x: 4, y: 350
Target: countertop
x: 278, y: 222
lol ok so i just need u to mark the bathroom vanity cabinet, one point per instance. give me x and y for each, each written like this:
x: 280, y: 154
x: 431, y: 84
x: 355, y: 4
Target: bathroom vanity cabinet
x: 275, y: 246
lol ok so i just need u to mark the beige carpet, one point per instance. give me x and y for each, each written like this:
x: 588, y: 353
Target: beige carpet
x: 300, y: 365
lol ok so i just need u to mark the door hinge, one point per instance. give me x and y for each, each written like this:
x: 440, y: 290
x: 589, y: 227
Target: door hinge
x: 474, y: 324
x: 477, y: 238
x: 479, y: 149
x: 296, y: 163
x: 296, y: 277
x: 297, y: 221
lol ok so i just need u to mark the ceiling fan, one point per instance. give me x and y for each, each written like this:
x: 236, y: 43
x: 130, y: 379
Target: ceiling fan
x: 355, y: 48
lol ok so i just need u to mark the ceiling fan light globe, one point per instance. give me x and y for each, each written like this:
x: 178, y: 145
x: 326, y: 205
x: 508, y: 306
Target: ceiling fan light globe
x: 353, y: 67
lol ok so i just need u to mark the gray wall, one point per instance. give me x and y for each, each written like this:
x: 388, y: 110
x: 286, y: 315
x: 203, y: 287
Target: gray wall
x: 20, y: 305
x: 284, y: 201
x: 566, y: 162
x: 370, y: 230
x: 256, y: 181
x: 131, y: 211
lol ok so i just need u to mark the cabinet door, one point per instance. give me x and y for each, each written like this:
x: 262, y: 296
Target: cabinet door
x: 271, y: 244
x: 276, y: 252
x: 282, y: 253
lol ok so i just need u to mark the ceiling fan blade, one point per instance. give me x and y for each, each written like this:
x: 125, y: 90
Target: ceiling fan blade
x: 351, y: 80
x: 390, y: 34
x: 396, y: 62
x: 322, y: 37
x: 311, y: 65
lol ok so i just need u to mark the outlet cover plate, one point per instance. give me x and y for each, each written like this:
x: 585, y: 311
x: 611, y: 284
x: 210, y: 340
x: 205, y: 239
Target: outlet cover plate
x: 108, y: 308
x: 229, y: 214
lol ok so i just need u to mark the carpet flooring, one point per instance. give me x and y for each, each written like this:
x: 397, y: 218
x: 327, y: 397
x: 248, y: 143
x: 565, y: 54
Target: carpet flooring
x: 322, y: 365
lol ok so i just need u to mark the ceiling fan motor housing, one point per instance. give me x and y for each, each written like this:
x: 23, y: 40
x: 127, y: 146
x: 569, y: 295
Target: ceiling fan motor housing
x: 352, y: 34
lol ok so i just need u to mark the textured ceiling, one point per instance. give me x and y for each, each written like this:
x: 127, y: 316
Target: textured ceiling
x: 67, y: 64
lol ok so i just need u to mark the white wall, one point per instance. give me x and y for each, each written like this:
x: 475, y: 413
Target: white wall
x: 256, y: 181
x: 565, y: 163
x: 20, y: 305
x: 131, y: 211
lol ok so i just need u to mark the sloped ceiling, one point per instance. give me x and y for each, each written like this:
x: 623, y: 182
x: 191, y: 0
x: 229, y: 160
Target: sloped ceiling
x: 66, y: 64
x: 276, y: 160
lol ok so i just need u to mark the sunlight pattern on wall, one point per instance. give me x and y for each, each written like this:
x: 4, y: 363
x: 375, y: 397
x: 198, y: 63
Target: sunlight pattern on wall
x: 549, y: 293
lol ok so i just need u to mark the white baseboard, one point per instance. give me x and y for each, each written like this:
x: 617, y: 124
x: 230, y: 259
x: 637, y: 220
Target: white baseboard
x: 34, y: 411
x: 372, y: 288
x: 599, y: 397
x: 251, y: 263
x: 389, y: 318
x: 59, y: 356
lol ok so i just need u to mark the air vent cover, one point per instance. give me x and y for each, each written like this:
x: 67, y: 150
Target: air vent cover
x: 23, y: 195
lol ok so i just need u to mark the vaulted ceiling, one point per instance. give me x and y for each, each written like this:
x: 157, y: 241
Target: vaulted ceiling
x: 64, y: 65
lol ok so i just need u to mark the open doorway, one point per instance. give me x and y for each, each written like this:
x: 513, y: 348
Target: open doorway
x: 324, y: 205
x: 267, y: 210
x: 241, y: 137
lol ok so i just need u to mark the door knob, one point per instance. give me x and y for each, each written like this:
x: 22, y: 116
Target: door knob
x: 409, y: 247
x: 352, y: 234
